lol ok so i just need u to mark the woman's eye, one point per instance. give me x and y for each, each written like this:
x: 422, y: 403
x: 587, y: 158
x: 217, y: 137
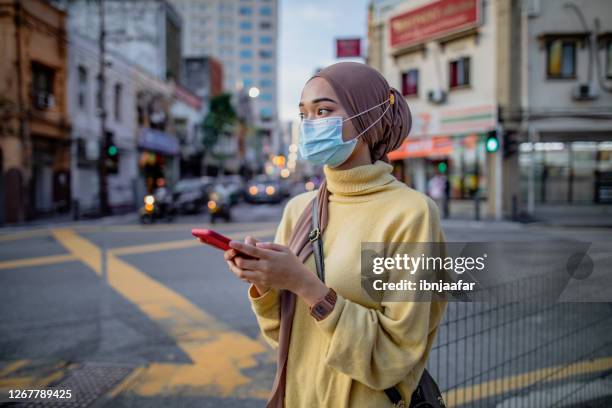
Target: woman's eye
x: 301, y: 115
x: 323, y: 111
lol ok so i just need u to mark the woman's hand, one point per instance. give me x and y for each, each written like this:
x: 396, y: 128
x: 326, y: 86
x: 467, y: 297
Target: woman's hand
x: 230, y: 254
x: 275, y: 266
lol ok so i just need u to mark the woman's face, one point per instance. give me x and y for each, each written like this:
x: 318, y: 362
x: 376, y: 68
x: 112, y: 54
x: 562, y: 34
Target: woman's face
x: 319, y: 101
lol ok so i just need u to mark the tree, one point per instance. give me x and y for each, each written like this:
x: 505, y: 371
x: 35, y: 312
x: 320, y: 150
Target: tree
x: 220, y: 121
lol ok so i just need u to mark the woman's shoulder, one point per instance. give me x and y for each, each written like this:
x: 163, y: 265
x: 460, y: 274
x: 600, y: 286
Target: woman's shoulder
x: 413, y: 200
x: 296, y: 205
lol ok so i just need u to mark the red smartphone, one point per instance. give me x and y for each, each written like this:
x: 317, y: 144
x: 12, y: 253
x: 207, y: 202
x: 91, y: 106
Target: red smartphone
x: 215, y: 239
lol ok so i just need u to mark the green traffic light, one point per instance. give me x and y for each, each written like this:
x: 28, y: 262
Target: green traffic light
x: 492, y: 144
x: 112, y: 150
x: 442, y: 167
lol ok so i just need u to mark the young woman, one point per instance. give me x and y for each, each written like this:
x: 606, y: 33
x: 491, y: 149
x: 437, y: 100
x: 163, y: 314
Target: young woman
x: 338, y: 347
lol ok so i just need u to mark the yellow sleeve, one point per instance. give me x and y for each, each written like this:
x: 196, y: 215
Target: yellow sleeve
x: 381, y: 348
x: 266, y: 306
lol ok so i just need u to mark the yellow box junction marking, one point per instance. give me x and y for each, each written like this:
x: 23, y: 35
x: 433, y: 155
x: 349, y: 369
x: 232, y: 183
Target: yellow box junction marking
x: 218, y: 354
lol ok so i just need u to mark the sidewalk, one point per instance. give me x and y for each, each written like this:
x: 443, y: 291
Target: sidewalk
x: 555, y: 215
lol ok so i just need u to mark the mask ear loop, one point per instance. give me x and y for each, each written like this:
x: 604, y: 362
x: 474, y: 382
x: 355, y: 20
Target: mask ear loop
x: 391, y: 101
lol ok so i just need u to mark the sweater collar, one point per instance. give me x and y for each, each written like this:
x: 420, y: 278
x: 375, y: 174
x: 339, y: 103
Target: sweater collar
x: 359, y: 180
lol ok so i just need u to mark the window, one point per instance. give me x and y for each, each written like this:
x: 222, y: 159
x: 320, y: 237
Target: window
x: 265, y: 83
x: 266, y: 54
x: 82, y: 88
x: 118, y: 99
x: 265, y: 39
x: 246, y: 25
x: 265, y: 11
x: 410, y: 82
x: 561, y: 59
x: 246, y: 53
x: 42, y: 86
x: 246, y: 11
x: 246, y: 68
x: 265, y: 25
x: 245, y: 39
x: 247, y: 83
x: 266, y: 96
x: 459, y: 72
x: 609, y: 60
x: 265, y: 114
x: 265, y: 68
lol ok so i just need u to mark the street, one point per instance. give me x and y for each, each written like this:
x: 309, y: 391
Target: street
x: 131, y: 315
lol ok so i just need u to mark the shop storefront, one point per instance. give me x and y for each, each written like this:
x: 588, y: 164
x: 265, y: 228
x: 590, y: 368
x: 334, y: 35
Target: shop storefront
x: 448, y: 142
x: 567, y: 172
x: 159, y: 158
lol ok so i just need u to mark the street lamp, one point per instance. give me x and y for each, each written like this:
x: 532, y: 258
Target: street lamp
x: 254, y: 92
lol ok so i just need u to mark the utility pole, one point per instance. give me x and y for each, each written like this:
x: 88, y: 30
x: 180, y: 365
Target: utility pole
x: 104, y: 209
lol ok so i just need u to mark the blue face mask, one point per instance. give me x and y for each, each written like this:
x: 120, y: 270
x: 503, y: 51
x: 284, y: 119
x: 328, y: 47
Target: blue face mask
x: 321, y: 139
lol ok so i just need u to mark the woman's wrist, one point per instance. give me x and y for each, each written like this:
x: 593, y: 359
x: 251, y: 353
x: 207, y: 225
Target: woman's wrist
x: 311, y: 289
x: 261, y: 290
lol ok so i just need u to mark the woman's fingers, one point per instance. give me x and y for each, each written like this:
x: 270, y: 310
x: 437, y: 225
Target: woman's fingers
x: 272, y: 246
x: 248, y: 249
x: 251, y: 264
x: 249, y: 240
x: 229, y: 254
x: 245, y: 275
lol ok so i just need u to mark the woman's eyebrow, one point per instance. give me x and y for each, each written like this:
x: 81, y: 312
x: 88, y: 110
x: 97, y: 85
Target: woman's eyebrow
x: 317, y: 100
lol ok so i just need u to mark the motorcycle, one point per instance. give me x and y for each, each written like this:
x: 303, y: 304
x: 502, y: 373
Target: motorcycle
x: 219, y: 205
x: 158, y: 206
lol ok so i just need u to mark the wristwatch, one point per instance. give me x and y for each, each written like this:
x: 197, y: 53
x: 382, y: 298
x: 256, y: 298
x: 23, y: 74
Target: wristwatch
x: 323, y: 307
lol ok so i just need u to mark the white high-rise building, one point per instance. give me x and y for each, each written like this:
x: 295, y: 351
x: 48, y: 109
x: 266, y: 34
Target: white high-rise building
x: 242, y: 34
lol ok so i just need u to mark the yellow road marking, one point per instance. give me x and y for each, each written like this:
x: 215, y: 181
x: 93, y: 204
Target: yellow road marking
x: 14, y: 236
x: 94, y: 256
x: 183, y: 243
x: 464, y: 395
x: 218, y: 354
x: 14, y: 366
x: 50, y: 374
x: 40, y: 260
x: 42, y: 232
x: 81, y: 248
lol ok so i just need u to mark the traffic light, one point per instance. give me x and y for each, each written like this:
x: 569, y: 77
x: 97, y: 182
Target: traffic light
x: 442, y: 167
x: 111, y: 153
x: 492, y: 142
x: 510, y: 146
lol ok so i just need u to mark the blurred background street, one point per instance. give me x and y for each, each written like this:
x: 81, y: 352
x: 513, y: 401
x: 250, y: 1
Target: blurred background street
x: 132, y: 315
x: 125, y: 124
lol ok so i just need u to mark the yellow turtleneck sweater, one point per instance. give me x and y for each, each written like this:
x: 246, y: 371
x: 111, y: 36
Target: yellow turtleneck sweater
x: 362, y: 347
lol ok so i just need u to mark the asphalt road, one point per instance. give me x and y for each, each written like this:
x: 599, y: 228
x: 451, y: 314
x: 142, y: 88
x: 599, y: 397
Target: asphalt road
x: 131, y: 315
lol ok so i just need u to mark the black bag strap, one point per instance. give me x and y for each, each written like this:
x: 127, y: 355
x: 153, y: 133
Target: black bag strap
x: 427, y: 394
x: 317, y: 241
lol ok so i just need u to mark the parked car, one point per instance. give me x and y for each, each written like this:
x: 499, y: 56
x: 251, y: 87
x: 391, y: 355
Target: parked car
x: 264, y: 189
x: 191, y: 195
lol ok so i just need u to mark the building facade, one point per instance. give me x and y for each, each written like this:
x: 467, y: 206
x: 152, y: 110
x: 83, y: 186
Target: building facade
x: 87, y: 141
x: 440, y: 55
x: 243, y: 35
x: 526, y: 76
x: 147, y: 33
x: 35, y: 129
x: 565, y: 124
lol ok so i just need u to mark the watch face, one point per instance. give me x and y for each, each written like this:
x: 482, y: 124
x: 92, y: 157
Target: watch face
x: 319, y: 309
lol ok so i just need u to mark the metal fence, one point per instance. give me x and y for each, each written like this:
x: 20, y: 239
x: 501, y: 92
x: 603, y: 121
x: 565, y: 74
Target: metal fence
x: 530, y: 353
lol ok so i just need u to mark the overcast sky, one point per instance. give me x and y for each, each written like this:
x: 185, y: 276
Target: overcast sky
x: 308, y: 30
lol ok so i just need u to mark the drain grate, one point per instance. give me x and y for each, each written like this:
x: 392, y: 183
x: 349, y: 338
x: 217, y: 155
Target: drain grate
x: 88, y: 382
